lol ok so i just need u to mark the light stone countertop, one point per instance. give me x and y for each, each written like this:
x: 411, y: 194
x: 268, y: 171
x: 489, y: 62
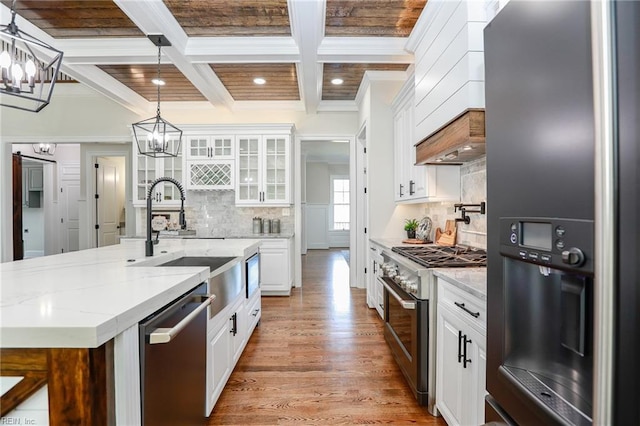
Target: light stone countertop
x: 471, y: 280
x: 83, y: 299
x: 389, y: 243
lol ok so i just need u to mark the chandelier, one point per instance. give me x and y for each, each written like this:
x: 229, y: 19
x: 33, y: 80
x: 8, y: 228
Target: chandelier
x: 24, y: 74
x: 155, y: 136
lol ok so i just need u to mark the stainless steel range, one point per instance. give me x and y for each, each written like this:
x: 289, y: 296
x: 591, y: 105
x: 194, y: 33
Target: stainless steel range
x: 410, y: 318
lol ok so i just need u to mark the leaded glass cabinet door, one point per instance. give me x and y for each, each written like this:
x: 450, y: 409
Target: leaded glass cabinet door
x: 248, y: 184
x: 276, y: 170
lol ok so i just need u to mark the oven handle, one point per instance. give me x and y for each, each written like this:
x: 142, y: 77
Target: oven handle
x: 404, y: 303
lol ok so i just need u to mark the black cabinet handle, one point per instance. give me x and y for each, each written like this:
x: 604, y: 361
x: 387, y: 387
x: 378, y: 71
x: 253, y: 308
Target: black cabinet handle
x: 401, y: 186
x: 464, y: 308
x: 234, y: 326
x: 411, y: 185
x: 459, y: 346
x: 464, y: 355
x: 255, y: 313
x: 375, y: 269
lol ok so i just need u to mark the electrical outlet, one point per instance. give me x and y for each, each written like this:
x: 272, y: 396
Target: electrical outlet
x: 286, y: 211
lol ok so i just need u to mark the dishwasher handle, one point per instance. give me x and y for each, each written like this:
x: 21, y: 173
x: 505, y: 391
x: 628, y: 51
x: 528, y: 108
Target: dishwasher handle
x: 164, y: 335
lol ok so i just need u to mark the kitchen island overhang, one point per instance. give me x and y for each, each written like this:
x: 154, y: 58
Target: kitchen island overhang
x: 84, y: 308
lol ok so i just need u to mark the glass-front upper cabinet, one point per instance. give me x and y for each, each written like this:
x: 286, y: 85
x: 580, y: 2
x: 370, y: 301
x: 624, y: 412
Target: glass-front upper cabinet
x: 148, y: 169
x: 263, y: 170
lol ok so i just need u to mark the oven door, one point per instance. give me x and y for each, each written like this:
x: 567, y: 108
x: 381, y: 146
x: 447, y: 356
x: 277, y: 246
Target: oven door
x: 401, y: 329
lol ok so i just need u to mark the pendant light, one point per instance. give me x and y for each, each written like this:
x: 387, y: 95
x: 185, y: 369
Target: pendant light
x: 25, y: 65
x: 155, y: 136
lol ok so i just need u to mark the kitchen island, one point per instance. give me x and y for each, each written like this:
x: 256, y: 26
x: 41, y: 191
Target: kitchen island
x: 70, y: 322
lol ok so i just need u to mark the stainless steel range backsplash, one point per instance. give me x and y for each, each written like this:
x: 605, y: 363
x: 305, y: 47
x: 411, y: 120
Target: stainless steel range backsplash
x: 473, y: 180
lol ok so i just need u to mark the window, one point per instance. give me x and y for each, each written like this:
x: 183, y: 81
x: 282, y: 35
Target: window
x: 340, y: 202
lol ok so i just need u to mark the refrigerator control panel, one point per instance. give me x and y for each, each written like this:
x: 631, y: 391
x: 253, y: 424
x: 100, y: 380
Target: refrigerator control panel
x: 553, y: 242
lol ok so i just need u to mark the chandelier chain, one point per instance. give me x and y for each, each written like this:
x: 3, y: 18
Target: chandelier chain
x: 158, y: 110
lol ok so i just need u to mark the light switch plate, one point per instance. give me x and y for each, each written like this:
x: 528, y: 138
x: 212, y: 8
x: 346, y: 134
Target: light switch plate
x: 286, y: 211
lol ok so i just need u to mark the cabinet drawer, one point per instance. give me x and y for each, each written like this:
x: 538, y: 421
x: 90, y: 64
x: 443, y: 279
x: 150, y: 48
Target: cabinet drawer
x: 470, y: 307
x: 254, y: 312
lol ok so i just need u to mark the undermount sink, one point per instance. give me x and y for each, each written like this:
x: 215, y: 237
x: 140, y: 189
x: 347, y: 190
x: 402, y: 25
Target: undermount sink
x: 226, y: 285
x: 212, y: 262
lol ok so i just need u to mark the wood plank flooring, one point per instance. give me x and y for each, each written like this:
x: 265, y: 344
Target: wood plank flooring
x: 319, y: 357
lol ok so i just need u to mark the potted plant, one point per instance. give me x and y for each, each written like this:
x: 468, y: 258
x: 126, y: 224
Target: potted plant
x: 410, y: 225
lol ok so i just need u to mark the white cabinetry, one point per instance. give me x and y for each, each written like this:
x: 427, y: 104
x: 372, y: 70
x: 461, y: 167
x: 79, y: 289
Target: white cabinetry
x: 227, y: 336
x: 264, y: 169
x: 276, y: 275
x: 449, y: 55
x: 210, y: 161
x: 238, y: 328
x: 253, y: 312
x: 375, y: 289
x: 417, y: 184
x: 219, y: 365
x: 461, y: 356
x: 147, y: 169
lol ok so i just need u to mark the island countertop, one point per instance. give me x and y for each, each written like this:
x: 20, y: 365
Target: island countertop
x: 83, y: 299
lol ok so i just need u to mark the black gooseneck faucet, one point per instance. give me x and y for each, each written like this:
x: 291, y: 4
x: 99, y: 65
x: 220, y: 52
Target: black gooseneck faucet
x: 148, y: 245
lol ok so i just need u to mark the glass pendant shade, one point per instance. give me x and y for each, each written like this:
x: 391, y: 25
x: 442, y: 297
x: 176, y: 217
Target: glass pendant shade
x: 28, y: 69
x: 155, y: 136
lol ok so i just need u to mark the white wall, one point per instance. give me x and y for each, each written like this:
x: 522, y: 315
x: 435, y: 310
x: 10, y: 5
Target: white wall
x: 318, y: 183
x: 78, y: 114
x: 386, y: 220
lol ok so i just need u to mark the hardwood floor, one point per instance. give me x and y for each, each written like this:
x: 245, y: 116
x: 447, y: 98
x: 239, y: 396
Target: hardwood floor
x: 319, y: 357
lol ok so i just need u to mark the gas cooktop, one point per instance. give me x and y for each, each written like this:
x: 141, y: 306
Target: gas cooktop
x: 444, y: 257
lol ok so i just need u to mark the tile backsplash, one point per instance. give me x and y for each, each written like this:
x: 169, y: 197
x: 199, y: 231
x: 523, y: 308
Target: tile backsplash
x: 473, y: 180
x: 214, y: 214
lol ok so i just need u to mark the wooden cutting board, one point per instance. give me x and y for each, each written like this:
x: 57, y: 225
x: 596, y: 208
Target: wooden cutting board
x: 416, y: 241
x: 448, y: 236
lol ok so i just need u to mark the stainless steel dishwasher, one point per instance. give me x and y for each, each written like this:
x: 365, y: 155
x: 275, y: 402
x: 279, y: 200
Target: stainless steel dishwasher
x: 173, y: 361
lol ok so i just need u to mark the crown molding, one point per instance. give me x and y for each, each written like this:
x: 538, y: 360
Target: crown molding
x: 425, y: 20
x: 66, y: 139
x: 371, y: 76
x: 337, y: 106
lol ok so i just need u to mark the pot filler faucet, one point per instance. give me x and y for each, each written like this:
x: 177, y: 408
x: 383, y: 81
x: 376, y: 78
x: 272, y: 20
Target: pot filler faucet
x: 148, y: 245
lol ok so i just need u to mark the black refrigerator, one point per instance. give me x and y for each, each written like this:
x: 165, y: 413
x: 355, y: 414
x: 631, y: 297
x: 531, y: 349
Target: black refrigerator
x: 544, y: 234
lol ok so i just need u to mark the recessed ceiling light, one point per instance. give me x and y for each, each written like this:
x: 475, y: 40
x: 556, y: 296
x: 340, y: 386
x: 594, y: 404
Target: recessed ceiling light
x: 259, y: 80
x: 337, y: 81
x: 158, y: 82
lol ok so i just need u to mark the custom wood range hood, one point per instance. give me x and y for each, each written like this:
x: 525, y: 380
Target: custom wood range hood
x: 460, y: 140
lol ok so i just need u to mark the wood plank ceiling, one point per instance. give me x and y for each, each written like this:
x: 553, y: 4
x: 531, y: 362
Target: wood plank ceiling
x: 211, y: 26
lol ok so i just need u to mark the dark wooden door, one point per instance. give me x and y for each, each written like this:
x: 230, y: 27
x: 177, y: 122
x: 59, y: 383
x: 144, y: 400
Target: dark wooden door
x: 18, y: 242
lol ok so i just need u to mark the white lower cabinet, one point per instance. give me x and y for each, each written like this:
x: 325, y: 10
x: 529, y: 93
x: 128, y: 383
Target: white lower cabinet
x: 238, y: 329
x: 376, y: 298
x: 276, y: 267
x: 253, y: 312
x: 218, y: 363
x: 227, y: 336
x: 461, y: 356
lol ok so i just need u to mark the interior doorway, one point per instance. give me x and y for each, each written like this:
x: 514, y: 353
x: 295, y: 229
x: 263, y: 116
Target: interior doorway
x: 323, y: 198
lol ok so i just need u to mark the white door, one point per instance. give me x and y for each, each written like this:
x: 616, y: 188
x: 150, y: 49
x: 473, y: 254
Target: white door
x: 108, y: 213
x: 362, y: 221
x: 69, y: 210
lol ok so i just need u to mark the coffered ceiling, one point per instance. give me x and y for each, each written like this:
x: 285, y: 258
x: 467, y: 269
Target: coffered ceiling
x: 220, y: 46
